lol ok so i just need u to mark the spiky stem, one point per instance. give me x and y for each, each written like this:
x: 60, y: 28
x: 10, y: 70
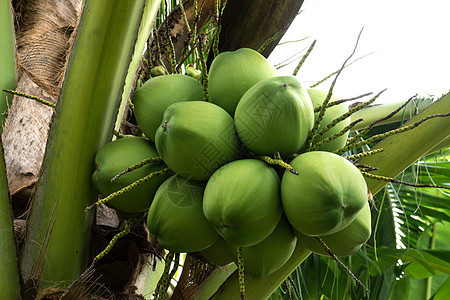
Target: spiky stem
x: 389, y: 133
x: 371, y: 125
x: 269, y: 40
x: 240, y: 259
x: 42, y: 101
x: 102, y: 254
x: 337, y: 102
x: 335, y: 72
x: 327, y: 99
x: 183, y: 12
x: 389, y: 179
x: 302, y: 61
x: 341, y: 264
x: 203, y: 68
x: 366, y: 168
x: 363, y: 154
x: 137, y: 166
x: 336, y: 135
x: 128, y: 188
x: 164, y: 281
x: 348, y: 114
x: 278, y: 161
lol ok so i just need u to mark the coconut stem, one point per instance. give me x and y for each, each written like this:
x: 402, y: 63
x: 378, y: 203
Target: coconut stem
x: 341, y: 264
x: 183, y: 12
x: 137, y: 166
x: 203, y: 67
x: 128, y: 188
x: 389, y: 133
x: 269, y: 40
x: 42, y: 101
x: 164, y: 281
x: 363, y: 154
x: 335, y: 72
x: 240, y: 260
x: 389, y: 179
x: 368, y: 127
x: 337, y: 102
x: 302, y: 61
x: 348, y: 114
x: 278, y: 161
x: 102, y: 254
x: 319, y: 119
x: 336, y: 135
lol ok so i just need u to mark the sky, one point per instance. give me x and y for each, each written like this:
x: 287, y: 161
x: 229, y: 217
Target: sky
x: 405, y: 45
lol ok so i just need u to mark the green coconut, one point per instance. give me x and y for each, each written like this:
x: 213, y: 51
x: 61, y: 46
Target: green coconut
x: 220, y: 253
x: 326, y: 195
x: 232, y: 73
x: 270, y: 254
x: 195, y: 138
x: 242, y: 201
x: 333, y: 112
x: 346, y: 241
x: 115, y: 157
x: 156, y: 94
x: 175, y: 218
x: 275, y: 114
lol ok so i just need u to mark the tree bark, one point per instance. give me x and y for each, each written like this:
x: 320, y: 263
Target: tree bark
x: 251, y: 23
x: 43, y: 33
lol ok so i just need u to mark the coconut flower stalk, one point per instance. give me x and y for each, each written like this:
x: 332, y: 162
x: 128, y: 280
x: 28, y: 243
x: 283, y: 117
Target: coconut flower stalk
x: 58, y: 228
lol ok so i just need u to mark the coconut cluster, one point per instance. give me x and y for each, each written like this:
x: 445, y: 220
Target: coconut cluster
x: 222, y: 192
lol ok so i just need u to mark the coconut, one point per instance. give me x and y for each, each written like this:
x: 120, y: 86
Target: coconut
x: 325, y: 196
x: 346, y: 241
x: 156, y: 94
x: 115, y: 157
x: 242, y: 201
x: 232, y: 73
x: 175, y: 218
x: 195, y: 138
x: 275, y: 114
x: 270, y: 254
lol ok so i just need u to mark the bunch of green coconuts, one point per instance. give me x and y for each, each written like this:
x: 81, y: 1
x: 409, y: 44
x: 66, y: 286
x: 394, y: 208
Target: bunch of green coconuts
x: 222, y: 193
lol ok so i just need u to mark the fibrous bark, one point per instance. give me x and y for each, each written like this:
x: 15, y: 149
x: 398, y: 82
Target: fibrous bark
x: 43, y: 34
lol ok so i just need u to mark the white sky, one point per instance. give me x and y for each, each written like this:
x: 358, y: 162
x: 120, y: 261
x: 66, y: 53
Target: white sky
x: 410, y: 41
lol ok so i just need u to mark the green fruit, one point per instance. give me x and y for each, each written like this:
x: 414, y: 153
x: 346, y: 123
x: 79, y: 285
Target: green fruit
x: 232, y: 73
x: 333, y: 112
x: 242, y: 201
x: 195, y: 138
x: 115, y: 157
x: 175, y: 218
x: 345, y: 242
x: 271, y: 254
x: 275, y: 114
x: 151, y: 99
x: 220, y: 253
x: 326, y: 195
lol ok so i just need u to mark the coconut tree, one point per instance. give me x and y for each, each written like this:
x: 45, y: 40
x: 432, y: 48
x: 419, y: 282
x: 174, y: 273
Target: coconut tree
x: 88, y: 92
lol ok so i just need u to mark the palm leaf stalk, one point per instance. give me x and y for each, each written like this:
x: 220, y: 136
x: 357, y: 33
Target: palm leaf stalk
x: 9, y: 280
x: 58, y: 228
x: 402, y: 150
x: 8, y: 77
x: 150, y: 11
